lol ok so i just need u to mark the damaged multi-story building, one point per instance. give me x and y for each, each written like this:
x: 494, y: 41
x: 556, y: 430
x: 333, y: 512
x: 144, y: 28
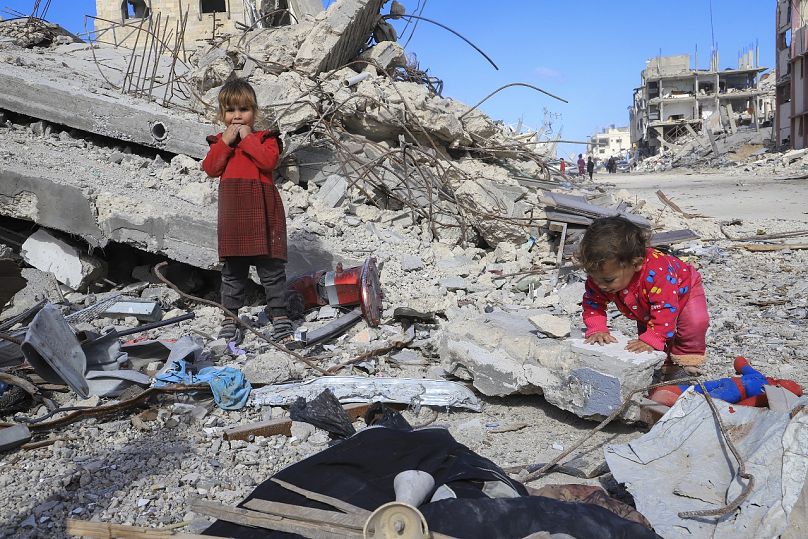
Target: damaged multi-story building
x: 791, y: 120
x: 676, y: 98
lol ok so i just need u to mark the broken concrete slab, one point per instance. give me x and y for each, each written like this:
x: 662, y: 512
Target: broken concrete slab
x: 63, y: 101
x: 67, y: 263
x: 332, y: 192
x: 338, y: 34
x: 506, y: 355
x: 385, y: 55
x: 550, y: 325
x: 349, y: 389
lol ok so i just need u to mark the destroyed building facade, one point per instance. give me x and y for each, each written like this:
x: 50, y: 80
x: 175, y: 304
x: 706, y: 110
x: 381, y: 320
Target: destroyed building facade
x: 791, y: 120
x: 675, y: 98
x: 203, y: 20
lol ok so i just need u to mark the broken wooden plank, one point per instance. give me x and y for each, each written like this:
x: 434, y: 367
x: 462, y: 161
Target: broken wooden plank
x: 342, y: 505
x: 105, y: 530
x: 309, y: 514
x: 245, y: 517
x: 283, y: 425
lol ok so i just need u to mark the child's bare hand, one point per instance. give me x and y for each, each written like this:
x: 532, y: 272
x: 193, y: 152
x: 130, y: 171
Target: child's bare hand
x: 636, y: 345
x: 602, y: 337
x: 244, y: 131
x: 230, y: 134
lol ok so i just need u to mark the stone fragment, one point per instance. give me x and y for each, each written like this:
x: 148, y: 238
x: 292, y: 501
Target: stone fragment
x: 385, y: 55
x: 553, y: 326
x: 504, y: 356
x: 332, y: 192
x: 68, y: 264
x: 200, y: 194
x: 454, y: 283
x: 411, y: 263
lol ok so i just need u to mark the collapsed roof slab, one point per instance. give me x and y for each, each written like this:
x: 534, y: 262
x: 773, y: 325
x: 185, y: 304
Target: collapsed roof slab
x: 84, y: 191
x: 182, y: 232
x: 42, y: 95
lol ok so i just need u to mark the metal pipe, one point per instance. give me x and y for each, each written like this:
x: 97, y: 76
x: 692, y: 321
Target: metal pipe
x: 155, y: 325
x: 356, y: 79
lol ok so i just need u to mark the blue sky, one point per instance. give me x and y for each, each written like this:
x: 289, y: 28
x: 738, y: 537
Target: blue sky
x: 590, y: 52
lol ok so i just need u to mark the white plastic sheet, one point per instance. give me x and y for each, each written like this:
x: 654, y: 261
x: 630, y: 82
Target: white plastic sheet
x: 683, y: 464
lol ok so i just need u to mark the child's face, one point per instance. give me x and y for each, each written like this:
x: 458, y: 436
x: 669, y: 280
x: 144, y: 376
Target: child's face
x: 240, y: 114
x: 614, y: 277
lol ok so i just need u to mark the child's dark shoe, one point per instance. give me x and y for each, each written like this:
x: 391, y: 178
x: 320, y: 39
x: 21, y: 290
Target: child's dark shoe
x: 282, y: 330
x: 231, y: 332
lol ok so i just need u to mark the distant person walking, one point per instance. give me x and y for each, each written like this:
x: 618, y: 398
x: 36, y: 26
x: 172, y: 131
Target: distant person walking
x: 581, y: 165
x: 562, y: 166
x: 611, y: 165
x: 590, y: 167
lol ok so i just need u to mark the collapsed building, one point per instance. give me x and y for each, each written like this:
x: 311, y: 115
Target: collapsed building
x: 675, y: 99
x: 99, y: 157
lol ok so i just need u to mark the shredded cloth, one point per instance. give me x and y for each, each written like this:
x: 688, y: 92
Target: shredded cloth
x: 229, y: 386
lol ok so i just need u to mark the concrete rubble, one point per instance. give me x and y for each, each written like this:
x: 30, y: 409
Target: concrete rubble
x: 475, y: 284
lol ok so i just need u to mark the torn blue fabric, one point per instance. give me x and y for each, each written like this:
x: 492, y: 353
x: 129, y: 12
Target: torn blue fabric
x: 229, y: 386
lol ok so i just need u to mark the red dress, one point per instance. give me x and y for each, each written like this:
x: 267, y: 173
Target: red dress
x: 252, y: 221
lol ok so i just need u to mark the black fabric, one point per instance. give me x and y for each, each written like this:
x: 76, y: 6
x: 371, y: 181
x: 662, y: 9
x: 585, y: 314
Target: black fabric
x: 271, y: 272
x: 380, y: 414
x: 360, y: 470
x: 325, y: 412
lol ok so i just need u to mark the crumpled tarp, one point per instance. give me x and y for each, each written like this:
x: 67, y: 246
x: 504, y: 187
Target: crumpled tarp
x: 348, y: 389
x: 683, y: 464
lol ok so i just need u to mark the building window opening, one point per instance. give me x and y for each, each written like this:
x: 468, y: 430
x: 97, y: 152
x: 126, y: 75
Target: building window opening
x: 134, y: 9
x: 213, y: 6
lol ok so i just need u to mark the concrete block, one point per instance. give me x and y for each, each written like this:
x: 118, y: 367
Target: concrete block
x: 550, y: 325
x: 332, y: 193
x: 200, y: 194
x: 385, y: 55
x: 505, y: 355
x: 338, y: 33
x: 411, y: 263
x: 67, y: 263
x: 454, y: 283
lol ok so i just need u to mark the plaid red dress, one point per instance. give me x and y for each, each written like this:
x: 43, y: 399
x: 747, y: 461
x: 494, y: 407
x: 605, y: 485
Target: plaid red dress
x: 252, y: 221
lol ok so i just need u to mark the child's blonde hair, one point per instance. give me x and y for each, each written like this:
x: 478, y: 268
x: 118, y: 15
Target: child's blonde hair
x: 234, y: 93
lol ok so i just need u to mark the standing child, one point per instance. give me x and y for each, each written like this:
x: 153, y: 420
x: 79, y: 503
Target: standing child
x: 562, y: 167
x: 590, y: 167
x: 581, y: 165
x: 252, y: 222
x: 663, y: 294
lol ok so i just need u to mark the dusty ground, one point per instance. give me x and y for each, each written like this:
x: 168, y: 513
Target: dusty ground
x: 113, y: 472
x: 721, y: 196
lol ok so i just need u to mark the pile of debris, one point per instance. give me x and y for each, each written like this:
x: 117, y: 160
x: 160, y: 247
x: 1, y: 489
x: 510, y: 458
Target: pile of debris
x: 448, y: 235
x: 741, y: 149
